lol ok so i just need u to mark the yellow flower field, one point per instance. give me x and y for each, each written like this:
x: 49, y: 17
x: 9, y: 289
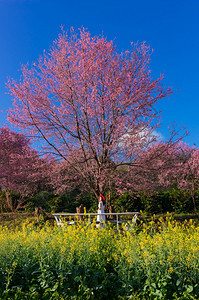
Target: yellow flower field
x: 157, y: 261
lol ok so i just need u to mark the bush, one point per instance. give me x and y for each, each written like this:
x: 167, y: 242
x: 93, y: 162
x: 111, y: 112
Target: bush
x: 170, y: 200
x: 65, y: 202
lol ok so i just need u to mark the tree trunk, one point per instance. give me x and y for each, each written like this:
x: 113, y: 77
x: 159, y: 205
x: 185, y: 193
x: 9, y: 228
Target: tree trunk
x: 193, y: 196
x: 9, y: 201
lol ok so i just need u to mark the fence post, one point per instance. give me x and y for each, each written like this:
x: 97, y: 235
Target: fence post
x: 117, y: 222
x: 74, y: 220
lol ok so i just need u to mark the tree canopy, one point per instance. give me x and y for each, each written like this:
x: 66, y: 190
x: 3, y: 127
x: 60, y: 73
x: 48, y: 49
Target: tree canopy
x: 91, y: 105
x: 21, y: 169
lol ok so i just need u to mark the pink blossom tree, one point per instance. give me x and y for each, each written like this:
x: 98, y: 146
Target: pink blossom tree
x: 21, y: 169
x: 91, y: 105
x: 149, y: 169
x: 164, y: 165
x: 184, y: 170
x: 190, y: 174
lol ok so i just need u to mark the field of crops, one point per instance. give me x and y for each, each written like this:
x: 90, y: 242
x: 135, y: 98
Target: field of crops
x: 157, y: 261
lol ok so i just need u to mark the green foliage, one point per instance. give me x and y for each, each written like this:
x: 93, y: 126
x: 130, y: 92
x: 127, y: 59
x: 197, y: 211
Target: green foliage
x: 82, y: 263
x: 154, y: 202
x: 170, y: 200
x: 65, y: 202
x: 128, y: 202
x: 46, y: 200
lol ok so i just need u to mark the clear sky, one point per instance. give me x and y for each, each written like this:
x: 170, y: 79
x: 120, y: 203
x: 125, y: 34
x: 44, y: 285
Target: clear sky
x: 171, y: 27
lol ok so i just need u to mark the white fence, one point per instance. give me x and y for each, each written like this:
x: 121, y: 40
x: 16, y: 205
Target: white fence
x: 76, y: 216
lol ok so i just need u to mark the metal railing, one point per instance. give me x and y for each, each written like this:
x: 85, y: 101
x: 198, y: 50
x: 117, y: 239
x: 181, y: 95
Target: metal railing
x: 58, y: 217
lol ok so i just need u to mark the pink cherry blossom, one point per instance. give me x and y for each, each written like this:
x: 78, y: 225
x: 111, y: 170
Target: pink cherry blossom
x: 92, y: 106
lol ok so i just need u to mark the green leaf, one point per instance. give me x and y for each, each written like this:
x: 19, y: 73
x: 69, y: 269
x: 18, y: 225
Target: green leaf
x: 190, y: 288
x: 164, y: 283
x: 54, y: 288
x: 153, y: 285
x: 178, y: 282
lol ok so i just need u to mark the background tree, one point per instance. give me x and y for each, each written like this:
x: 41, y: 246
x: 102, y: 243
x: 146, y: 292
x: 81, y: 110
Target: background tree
x: 183, y: 169
x: 169, y: 166
x: 190, y: 174
x: 21, y: 169
x: 93, y: 106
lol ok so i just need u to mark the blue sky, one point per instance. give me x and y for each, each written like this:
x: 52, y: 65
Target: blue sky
x: 171, y: 27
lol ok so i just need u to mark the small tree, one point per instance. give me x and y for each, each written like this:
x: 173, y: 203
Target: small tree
x: 190, y: 173
x: 187, y: 172
x: 178, y: 165
x: 21, y: 169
